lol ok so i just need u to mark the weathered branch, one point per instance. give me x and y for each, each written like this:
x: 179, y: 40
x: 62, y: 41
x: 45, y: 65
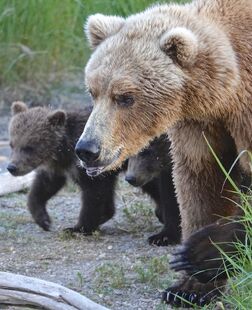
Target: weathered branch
x: 20, y: 290
x: 10, y: 184
x: 4, y: 143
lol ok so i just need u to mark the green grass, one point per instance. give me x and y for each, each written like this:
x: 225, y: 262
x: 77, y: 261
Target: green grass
x: 41, y: 40
x: 109, y: 277
x: 239, y: 295
x: 154, y: 271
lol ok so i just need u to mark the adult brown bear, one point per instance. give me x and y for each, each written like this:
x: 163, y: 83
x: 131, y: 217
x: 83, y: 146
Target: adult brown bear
x: 181, y: 69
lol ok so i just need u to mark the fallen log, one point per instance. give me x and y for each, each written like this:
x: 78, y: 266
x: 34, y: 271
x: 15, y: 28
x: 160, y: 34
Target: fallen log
x: 4, y: 143
x: 18, y: 290
x: 10, y: 184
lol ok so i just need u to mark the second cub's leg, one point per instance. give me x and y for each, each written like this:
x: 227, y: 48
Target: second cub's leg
x: 169, y: 210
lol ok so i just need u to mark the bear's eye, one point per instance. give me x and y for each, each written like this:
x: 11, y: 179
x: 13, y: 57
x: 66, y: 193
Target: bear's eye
x: 125, y: 100
x: 11, y: 145
x: 28, y: 149
x: 92, y: 93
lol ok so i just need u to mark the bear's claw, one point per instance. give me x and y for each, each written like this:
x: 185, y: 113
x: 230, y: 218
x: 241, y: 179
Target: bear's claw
x: 76, y: 229
x: 187, y: 299
x: 200, y: 255
x: 164, y: 238
x: 44, y: 221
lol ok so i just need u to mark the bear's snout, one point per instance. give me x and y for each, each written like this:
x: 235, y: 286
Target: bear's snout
x: 131, y: 179
x: 12, y: 168
x: 88, y: 151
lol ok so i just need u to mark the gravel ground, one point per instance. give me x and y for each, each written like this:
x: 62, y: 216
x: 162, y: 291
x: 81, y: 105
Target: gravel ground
x: 115, y: 267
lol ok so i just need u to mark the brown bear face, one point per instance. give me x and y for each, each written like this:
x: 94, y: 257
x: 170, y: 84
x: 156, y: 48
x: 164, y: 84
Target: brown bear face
x: 33, y: 137
x: 149, y: 163
x: 146, y: 73
x: 136, y: 90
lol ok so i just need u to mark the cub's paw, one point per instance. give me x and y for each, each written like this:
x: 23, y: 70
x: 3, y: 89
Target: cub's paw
x: 190, y: 293
x: 158, y: 213
x: 164, y: 238
x: 201, y: 255
x: 79, y: 230
x: 43, y: 220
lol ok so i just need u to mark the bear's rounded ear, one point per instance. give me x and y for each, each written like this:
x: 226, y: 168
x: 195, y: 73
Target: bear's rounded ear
x: 99, y: 27
x: 57, y: 118
x: 18, y: 107
x: 181, y: 44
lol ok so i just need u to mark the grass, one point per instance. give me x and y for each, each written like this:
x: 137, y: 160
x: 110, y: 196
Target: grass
x: 139, y: 217
x: 109, y: 277
x: 154, y: 271
x: 239, y: 295
x: 42, y: 40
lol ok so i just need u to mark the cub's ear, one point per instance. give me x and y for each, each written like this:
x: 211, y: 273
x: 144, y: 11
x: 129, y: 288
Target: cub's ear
x: 99, y: 27
x: 57, y: 118
x: 181, y: 44
x: 18, y: 107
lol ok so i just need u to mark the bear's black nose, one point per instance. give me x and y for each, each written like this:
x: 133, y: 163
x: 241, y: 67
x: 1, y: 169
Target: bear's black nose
x: 12, y: 168
x: 131, y: 180
x: 87, y: 151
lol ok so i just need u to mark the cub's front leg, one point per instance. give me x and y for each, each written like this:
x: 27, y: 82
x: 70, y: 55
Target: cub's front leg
x: 44, y: 186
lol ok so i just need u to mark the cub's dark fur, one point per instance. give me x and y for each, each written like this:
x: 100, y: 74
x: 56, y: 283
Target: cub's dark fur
x: 45, y: 139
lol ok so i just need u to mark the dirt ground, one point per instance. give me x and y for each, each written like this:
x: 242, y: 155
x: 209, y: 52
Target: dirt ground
x: 116, y: 266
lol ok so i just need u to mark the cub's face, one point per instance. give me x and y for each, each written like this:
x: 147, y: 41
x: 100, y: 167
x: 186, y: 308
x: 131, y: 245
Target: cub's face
x: 135, y: 78
x: 32, y: 138
x: 149, y: 163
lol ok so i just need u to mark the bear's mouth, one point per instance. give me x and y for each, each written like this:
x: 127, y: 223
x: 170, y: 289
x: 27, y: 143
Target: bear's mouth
x: 94, y: 171
x: 103, y: 166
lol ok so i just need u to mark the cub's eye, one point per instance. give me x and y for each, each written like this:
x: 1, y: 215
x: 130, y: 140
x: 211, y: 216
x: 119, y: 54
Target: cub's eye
x: 11, y: 145
x: 124, y: 100
x: 28, y: 149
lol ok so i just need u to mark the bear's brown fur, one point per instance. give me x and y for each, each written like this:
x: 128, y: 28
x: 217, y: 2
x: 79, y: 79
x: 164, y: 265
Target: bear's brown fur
x: 185, y: 70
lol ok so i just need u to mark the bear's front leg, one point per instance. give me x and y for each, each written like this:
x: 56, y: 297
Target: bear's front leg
x: 202, y: 254
x: 44, y: 186
x: 189, y: 292
x: 200, y: 190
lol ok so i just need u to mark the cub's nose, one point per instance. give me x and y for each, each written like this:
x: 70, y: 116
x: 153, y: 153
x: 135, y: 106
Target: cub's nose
x: 131, y: 180
x: 87, y: 151
x: 12, y: 168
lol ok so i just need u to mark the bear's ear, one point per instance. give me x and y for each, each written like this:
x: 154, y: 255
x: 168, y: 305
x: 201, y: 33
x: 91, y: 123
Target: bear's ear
x: 18, y: 107
x: 181, y: 45
x: 99, y: 27
x: 57, y: 118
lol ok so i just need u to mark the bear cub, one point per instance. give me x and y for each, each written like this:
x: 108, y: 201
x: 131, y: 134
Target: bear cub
x: 151, y: 170
x: 44, y: 140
